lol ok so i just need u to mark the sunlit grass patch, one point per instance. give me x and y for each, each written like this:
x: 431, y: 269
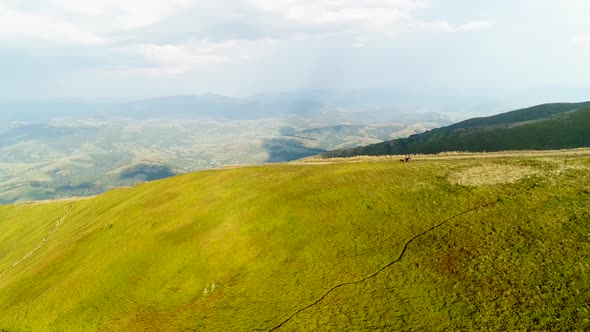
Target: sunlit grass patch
x: 491, y: 174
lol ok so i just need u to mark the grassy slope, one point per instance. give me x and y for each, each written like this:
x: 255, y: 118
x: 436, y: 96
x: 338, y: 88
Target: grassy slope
x: 273, y: 239
x: 526, y: 114
x: 551, y: 126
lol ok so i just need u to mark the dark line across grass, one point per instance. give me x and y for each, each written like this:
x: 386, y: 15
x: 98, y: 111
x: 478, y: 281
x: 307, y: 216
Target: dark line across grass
x: 400, y: 257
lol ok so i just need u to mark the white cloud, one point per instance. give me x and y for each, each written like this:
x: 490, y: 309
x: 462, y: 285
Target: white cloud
x: 474, y: 25
x: 93, y: 21
x: 175, y: 59
x: 83, y: 21
x: 202, y: 51
x: 444, y: 26
x: 582, y: 39
x: 343, y: 14
x: 156, y: 38
x: 122, y: 14
x: 364, y: 18
x: 33, y: 26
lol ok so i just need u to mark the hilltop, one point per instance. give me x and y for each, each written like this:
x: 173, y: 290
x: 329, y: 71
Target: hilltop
x: 543, y: 127
x: 498, y: 243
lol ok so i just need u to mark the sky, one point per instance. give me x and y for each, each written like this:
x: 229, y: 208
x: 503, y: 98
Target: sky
x: 146, y: 48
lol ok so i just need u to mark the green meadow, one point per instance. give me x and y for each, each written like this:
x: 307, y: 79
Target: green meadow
x: 496, y: 243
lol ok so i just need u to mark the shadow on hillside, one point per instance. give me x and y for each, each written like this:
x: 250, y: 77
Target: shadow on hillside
x: 146, y: 172
x: 285, y: 149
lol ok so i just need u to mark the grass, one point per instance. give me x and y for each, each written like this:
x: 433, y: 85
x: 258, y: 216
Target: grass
x: 491, y: 174
x: 246, y: 248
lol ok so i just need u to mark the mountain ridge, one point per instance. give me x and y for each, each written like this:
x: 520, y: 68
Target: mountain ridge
x: 546, y: 126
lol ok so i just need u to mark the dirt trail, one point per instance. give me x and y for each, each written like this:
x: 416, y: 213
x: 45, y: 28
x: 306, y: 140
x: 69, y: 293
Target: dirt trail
x: 58, y: 224
x: 398, y: 259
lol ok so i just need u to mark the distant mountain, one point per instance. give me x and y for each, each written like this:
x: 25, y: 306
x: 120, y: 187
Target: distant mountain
x: 548, y: 126
x: 219, y: 107
x: 206, y: 106
x: 387, y: 104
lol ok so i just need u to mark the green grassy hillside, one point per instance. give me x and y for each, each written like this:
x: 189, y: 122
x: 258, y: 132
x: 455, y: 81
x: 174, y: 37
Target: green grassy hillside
x: 469, y: 244
x: 543, y: 127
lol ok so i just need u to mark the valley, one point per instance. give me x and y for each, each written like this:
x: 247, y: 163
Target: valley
x: 73, y: 155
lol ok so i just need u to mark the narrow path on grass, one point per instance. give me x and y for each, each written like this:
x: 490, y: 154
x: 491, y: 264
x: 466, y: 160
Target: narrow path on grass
x: 399, y: 258
x: 58, y: 223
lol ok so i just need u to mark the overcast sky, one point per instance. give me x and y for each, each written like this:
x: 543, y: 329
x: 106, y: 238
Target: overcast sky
x: 136, y: 48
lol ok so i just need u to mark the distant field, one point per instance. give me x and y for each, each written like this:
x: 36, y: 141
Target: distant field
x: 68, y: 157
x: 453, y: 242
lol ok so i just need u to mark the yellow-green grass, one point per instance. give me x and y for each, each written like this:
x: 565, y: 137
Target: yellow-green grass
x: 319, y: 159
x: 248, y: 248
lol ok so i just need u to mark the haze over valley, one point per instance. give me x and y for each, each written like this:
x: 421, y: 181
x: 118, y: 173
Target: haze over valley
x: 52, y: 150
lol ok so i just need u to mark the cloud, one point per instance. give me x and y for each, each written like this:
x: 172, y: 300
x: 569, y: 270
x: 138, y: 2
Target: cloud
x: 16, y: 26
x: 176, y: 59
x: 352, y: 19
x: 282, y: 23
x: 83, y: 21
x: 474, y: 25
x: 202, y: 51
x: 444, y: 26
x: 145, y: 21
x: 582, y: 39
x: 359, y: 15
x: 195, y: 40
x: 119, y: 14
x: 339, y: 12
